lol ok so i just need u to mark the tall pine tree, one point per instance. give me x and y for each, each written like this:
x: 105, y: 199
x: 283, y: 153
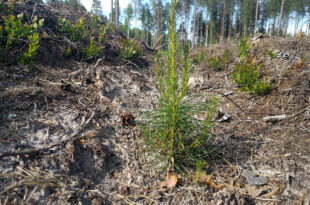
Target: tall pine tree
x: 96, y: 7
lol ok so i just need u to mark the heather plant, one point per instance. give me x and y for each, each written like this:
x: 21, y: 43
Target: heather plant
x: 178, y: 130
x: 130, y: 49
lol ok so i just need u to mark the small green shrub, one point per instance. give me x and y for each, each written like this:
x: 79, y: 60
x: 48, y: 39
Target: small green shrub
x: 178, y: 129
x: 93, y: 51
x: 244, y: 48
x: 76, y: 32
x: 2, y: 50
x: 271, y: 54
x: 93, y: 23
x: 30, y: 55
x: 130, y: 49
x: 68, y: 52
x: 246, y: 74
x: 66, y: 26
x: 103, y: 31
x: 201, y: 56
x: 15, y: 29
x: 226, y: 56
x: 1, y: 6
x: 219, y: 63
x: 261, y: 87
x: 17, y: 33
x: 199, y: 166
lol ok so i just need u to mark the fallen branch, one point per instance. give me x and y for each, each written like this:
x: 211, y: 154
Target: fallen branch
x: 76, y: 135
x: 131, y: 63
x: 275, y: 118
x: 159, y: 47
x: 157, y: 42
x: 33, y: 177
x: 86, y: 76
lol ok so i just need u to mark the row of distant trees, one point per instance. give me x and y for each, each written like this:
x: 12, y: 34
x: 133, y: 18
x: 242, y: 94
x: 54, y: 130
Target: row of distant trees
x: 206, y: 22
x: 210, y: 21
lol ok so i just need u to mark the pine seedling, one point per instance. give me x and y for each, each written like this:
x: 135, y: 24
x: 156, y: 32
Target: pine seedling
x: 178, y: 129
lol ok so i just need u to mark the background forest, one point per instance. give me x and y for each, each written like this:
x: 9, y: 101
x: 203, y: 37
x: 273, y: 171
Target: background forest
x: 206, y: 21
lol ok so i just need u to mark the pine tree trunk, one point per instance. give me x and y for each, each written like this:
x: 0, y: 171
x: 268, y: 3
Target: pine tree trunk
x: 154, y: 22
x: 96, y: 7
x: 194, y: 25
x: 244, y: 29
x: 223, y: 22
x: 197, y: 27
x: 237, y: 23
x: 240, y: 29
x: 211, y: 32
x: 116, y: 14
x: 274, y: 25
x: 200, y: 34
x: 161, y: 18
x: 249, y: 26
x: 271, y: 28
x: 295, y: 28
x: 309, y: 20
x: 280, y: 19
x: 286, y: 25
x: 182, y: 26
x: 197, y: 24
x: 112, y: 11
x: 229, y: 26
x: 256, y: 15
x: 128, y: 26
x: 206, y: 35
x: 187, y: 27
x: 158, y: 19
x: 206, y: 29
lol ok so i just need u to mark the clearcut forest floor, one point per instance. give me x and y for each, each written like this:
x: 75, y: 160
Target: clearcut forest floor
x: 68, y: 137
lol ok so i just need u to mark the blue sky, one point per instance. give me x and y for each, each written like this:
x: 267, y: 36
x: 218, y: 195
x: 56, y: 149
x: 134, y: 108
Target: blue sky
x: 106, y: 5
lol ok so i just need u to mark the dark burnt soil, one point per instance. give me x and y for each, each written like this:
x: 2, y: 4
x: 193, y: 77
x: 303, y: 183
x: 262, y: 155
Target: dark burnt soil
x: 68, y: 134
